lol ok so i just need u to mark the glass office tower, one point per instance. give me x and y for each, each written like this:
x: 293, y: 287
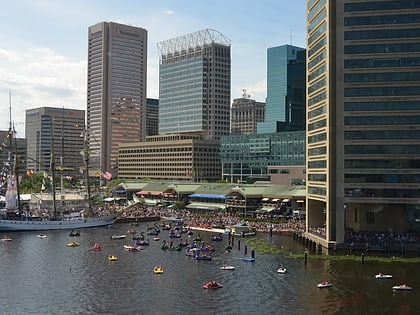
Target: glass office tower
x: 194, y: 84
x: 363, y: 117
x: 285, y: 103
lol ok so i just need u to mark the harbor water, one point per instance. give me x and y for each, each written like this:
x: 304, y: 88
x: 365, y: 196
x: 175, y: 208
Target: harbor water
x: 44, y: 276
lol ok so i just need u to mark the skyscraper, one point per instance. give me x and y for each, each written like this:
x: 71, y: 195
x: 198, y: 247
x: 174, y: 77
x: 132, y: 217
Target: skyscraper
x: 363, y: 117
x: 54, y: 130
x: 194, y: 84
x: 285, y: 103
x: 116, y: 91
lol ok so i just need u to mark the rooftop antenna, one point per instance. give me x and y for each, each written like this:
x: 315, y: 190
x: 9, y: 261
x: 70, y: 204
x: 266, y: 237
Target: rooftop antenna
x: 291, y: 36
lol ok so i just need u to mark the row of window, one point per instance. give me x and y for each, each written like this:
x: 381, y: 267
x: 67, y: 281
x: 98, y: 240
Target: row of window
x: 404, y: 163
x: 382, y: 178
x: 382, y: 62
x: 382, y: 19
x: 382, y: 120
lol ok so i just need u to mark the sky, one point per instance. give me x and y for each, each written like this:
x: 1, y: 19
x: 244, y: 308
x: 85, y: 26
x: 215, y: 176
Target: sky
x: 43, y: 44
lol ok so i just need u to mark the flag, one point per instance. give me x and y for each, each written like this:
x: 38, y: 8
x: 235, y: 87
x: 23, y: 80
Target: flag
x: 107, y: 175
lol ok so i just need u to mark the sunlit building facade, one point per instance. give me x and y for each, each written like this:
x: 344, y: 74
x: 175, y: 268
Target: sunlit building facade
x: 363, y: 117
x: 194, y: 84
x: 117, y: 78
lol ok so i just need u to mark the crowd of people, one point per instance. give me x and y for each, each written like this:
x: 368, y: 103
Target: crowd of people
x: 216, y: 220
x: 220, y: 220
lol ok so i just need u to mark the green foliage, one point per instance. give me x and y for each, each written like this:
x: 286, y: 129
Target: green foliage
x: 262, y: 246
x: 367, y: 258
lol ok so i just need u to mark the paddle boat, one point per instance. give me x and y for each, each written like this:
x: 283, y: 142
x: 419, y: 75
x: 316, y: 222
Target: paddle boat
x: 97, y: 247
x: 401, y: 287
x: 217, y: 238
x: 118, y: 237
x: 382, y: 276
x: 132, y: 231
x: 199, y: 256
x: 212, y: 285
x: 41, y: 236
x: 74, y: 233
x: 227, y: 267
x: 6, y: 238
x: 142, y: 242
x: 158, y: 269
x: 73, y: 244
x: 281, y: 270
x: 112, y: 257
x: 248, y: 258
x: 324, y: 284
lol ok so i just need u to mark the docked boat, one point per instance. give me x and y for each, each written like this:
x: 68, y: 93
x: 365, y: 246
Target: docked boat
x: 401, y: 287
x: 324, y: 284
x: 212, y: 285
x: 281, y: 270
x: 17, y: 219
x: 383, y: 276
x: 45, y: 225
x: 112, y: 257
x: 73, y: 244
x: 158, y: 269
x: 41, y: 236
x: 227, y: 267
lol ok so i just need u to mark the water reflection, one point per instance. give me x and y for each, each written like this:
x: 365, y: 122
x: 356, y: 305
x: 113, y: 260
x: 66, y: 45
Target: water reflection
x: 44, y: 276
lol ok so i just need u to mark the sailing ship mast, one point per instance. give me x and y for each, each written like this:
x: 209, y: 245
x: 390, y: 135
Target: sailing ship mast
x: 13, y: 177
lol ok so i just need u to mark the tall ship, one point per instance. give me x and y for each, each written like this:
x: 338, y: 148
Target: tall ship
x: 14, y: 218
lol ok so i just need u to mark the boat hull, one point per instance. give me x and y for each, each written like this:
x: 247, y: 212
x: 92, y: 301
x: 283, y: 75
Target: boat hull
x: 16, y: 225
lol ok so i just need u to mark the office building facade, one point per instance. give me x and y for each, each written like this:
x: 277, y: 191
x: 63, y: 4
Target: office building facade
x: 117, y: 78
x: 173, y: 156
x: 246, y: 113
x: 363, y: 117
x: 54, y: 131
x: 152, y: 117
x: 194, y: 84
x: 248, y: 158
x: 285, y: 102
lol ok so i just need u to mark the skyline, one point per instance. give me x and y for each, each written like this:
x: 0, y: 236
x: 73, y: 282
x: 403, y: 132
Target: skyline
x: 43, y: 55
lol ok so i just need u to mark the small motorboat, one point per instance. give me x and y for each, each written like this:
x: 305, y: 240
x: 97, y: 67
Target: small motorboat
x: 401, y: 287
x: 281, y: 270
x: 112, y: 257
x: 41, y: 236
x: 212, y: 285
x: 227, y: 267
x: 158, y: 269
x: 6, y: 238
x: 118, y: 237
x: 156, y: 238
x: 324, y: 284
x: 97, y: 247
x: 132, y: 248
x: 248, y: 258
x: 383, y: 276
x: 73, y: 244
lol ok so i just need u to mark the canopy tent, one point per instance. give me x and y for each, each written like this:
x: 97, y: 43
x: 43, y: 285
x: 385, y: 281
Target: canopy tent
x: 207, y: 196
